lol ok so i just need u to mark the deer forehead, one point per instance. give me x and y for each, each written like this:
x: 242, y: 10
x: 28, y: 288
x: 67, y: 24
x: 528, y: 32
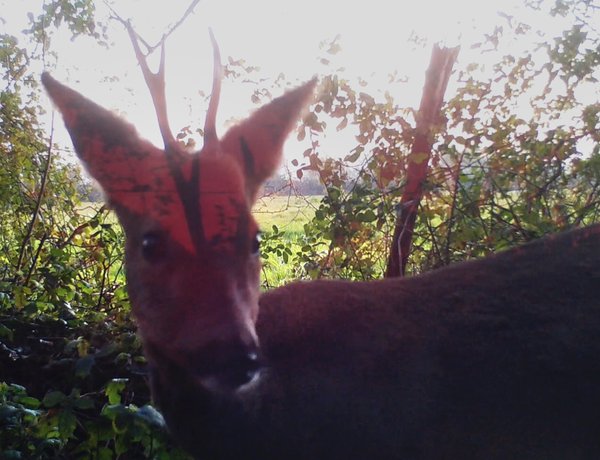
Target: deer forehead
x: 223, y: 205
x: 219, y: 199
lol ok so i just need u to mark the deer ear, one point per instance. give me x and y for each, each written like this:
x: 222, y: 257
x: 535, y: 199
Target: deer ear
x: 257, y: 142
x: 133, y: 173
x: 109, y: 147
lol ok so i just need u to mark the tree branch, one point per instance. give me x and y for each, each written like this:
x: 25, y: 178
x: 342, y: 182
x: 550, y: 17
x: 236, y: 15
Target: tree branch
x: 38, y: 203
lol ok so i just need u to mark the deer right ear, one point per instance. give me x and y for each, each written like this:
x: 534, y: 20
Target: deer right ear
x: 109, y: 147
x: 134, y: 174
x: 257, y: 141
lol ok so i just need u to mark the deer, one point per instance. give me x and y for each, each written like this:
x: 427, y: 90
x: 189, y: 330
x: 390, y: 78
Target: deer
x: 497, y: 358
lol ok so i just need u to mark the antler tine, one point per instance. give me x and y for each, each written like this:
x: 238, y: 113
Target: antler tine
x: 156, y: 85
x: 210, y: 131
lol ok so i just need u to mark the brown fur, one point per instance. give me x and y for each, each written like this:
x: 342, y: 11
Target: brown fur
x: 491, y: 359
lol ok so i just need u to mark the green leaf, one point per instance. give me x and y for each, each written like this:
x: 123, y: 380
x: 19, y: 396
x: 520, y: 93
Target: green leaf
x: 8, y: 412
x: 67, y: 422
x: 104, y: 453
x: 106, y: 350
x: 6, y: 333
x: 19, y: 295
x: 367, y: 216
x: 28, y: 401
x: 54, y: 398
x: 84, y: 365
x: 113, y: 410
x: 113, y: 390
x: 151, y: 416
x: 17, y: 389
x: 122, y: 422
x: 84, y: 403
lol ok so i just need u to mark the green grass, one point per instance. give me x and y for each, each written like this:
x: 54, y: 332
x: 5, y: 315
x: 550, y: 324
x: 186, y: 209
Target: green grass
x: 288, y: 213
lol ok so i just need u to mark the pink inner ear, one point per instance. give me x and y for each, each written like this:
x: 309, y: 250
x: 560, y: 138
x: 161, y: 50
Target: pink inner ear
x: 263, y: 134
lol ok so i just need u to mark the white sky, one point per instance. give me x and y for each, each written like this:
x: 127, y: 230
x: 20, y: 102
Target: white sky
x: 279, y: 36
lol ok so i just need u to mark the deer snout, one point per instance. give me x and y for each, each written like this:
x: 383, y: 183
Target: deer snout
x: 225, y: 366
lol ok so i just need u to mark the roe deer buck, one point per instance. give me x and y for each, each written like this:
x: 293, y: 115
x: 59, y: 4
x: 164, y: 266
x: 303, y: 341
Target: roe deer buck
x: 491, y: 359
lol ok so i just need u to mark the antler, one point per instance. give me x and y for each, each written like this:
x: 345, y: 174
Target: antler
x: 210, y: 131
x: 156, y: 85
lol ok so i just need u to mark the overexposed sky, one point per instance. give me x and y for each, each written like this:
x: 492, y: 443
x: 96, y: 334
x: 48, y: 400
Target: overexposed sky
x: 278, y: 36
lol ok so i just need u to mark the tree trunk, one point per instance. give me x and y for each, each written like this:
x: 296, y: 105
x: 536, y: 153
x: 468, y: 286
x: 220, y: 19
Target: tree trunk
x: 428, y: 120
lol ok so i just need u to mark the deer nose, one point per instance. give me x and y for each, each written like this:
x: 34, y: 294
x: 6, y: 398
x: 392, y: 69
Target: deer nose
x: 225, y: 366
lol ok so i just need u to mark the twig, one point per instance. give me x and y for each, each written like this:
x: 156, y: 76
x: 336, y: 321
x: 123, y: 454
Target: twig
x: 151, y: 48
x: 35, y: 259
x: 80, y: 228
x: 38, y: 203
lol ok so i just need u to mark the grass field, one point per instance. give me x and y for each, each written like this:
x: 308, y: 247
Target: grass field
x: 288, y: 213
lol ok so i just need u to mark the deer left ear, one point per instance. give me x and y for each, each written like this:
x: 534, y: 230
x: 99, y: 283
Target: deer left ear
x: 257, y: 142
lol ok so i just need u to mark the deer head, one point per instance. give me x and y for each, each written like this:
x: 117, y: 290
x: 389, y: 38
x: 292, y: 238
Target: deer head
x: 191, y: 242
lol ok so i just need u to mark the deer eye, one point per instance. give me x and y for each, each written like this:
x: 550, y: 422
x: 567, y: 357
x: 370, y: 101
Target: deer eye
x: 255, y: 244
x: 153, y: 246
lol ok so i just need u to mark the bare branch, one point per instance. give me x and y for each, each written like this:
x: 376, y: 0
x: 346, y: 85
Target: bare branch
x: 188, y: 11
x: 151, y: 48
x: 37, y: 210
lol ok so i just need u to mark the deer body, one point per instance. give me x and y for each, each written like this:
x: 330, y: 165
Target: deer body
x: 491, y: 359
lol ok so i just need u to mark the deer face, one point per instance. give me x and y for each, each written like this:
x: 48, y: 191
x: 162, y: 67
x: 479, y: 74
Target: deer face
x: 196, y: 300
x: 191, y: 243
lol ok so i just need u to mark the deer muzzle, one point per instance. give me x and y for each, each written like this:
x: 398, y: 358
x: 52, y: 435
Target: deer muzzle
x: 220, y: 367
x: 225, y: 366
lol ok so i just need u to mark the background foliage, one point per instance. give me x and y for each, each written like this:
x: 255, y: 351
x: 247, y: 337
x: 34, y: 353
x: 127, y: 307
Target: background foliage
x: 72, y: 376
